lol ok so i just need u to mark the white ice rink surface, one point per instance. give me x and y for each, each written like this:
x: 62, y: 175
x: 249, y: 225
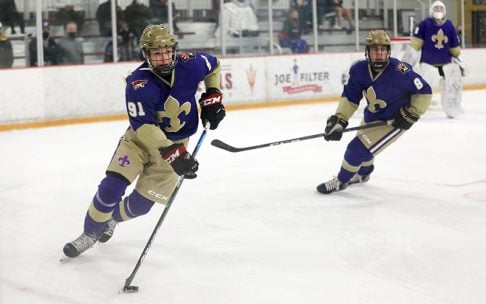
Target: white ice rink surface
x: 251, y: 228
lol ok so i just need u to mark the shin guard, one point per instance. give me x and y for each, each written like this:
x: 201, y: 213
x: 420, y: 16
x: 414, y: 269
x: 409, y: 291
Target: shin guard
x: 132, y: 206
x: 109, y: 194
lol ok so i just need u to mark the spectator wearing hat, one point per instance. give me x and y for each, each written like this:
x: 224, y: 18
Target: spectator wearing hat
x: 51, y: 49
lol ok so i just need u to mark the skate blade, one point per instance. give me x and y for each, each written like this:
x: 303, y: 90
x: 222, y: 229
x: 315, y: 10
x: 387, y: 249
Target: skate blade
x: 64, y: 258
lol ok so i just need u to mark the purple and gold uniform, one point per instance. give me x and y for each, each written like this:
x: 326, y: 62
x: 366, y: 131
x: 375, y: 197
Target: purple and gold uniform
x: 437, y: 41
x: 163, y: 114
x: 385, y: 93
x: 397, y: 86
x: 169, y: 104
x: 393, y: 92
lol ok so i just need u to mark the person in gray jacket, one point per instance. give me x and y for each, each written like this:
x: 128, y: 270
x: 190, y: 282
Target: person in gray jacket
x: 71, y: 47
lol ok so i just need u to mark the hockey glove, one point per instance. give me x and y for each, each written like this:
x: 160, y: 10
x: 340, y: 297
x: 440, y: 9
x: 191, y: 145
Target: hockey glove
x: 181, y: 161
x: 404, y: 119
x: 212, y: 108
x: 334, y: 128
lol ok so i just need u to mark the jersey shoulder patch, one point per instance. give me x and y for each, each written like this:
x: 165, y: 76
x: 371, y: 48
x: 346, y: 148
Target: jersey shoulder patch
x: 402, y: 68
x: 139, y: 83
x: 185, y: 56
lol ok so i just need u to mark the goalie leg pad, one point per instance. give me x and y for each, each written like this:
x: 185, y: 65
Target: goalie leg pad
x: 452, y: 90
x: 431, y: 74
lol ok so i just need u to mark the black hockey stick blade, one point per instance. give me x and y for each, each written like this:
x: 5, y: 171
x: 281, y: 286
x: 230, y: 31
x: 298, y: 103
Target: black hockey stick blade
x: 222, y: 145
x: 130, y: 289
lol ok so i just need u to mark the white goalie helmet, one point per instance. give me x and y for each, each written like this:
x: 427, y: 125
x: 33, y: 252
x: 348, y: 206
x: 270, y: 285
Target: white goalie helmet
x: 438, y: 10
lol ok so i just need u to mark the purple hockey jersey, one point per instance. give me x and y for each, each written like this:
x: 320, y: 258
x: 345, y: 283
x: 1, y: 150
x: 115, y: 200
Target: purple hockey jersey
x: 438, y: 39
x: 168, y: 103
x: 385, y: 93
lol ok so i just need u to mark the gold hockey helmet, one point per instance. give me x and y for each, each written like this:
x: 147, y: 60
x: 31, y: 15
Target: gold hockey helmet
x: 157, y: 37
x: 374, y: 38
x: 377, y: 37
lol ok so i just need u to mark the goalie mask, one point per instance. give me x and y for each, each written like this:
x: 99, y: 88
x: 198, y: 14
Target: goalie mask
x: 158, y: 40
x: 379, y: 41
x: 438, y: 11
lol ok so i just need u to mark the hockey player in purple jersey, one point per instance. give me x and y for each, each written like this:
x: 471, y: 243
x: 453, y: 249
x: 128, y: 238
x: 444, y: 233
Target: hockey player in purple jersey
x: 163, y: 114
x: 435, y: 44
x: 394, y: 93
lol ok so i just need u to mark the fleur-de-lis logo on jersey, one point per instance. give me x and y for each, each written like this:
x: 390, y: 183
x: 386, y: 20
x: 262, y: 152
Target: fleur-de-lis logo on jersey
x: 374, y: 104
x: 123, y: 161
x: 440, y: 38
x: 172, y: 110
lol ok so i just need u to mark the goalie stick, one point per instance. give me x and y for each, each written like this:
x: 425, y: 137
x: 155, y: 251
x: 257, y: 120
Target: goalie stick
x: 222, y: 145
x: 128, y: 288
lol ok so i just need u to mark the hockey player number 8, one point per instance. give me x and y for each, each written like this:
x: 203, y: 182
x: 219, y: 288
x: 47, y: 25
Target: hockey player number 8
x: 418, y: 83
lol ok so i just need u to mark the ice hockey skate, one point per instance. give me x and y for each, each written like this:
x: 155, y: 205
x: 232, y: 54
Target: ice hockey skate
x: 84, y: 242
x: 331, y: 186
x: 358, y: 178
x: 107, y: 232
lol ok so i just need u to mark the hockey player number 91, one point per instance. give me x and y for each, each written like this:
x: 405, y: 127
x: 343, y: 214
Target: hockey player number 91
x: 135, y: 109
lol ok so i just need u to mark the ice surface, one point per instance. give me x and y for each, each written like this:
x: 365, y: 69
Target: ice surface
x: 251, y: 228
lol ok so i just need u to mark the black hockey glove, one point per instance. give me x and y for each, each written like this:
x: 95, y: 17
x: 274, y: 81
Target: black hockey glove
x: 404, y: 119
x: 181, y: 161
x: 212, y: 108
x: 334, y: 128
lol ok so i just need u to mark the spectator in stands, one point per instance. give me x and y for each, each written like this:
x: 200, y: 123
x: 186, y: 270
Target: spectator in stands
x: 71, y: 47
x: 6, y: 50
x: 67, y: 13
x: 160, y: 9
x: 325, y: 10
x: 290, y: 36
x: 51, y: 49
x: 103, y: 16
x: 10, y: 16
x: 304, y: 7
x: 138, y: 16
x: 239, y: 18
x: 214, y: 13
x: 342, y: 11
x: 127, y: 45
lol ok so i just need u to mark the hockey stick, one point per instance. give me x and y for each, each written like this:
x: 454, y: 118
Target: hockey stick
x: 222, y: 145
x: 131, y: 288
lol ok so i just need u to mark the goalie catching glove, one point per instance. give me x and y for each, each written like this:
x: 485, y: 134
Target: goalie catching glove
x: 181, y: 161
x: 334, y: 128
x: 212, y: 108
x: 404, y: 119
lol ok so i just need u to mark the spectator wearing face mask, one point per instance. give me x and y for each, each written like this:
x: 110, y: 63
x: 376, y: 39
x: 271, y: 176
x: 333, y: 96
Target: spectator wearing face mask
x: 51, y: 48
x: 71, y: 47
